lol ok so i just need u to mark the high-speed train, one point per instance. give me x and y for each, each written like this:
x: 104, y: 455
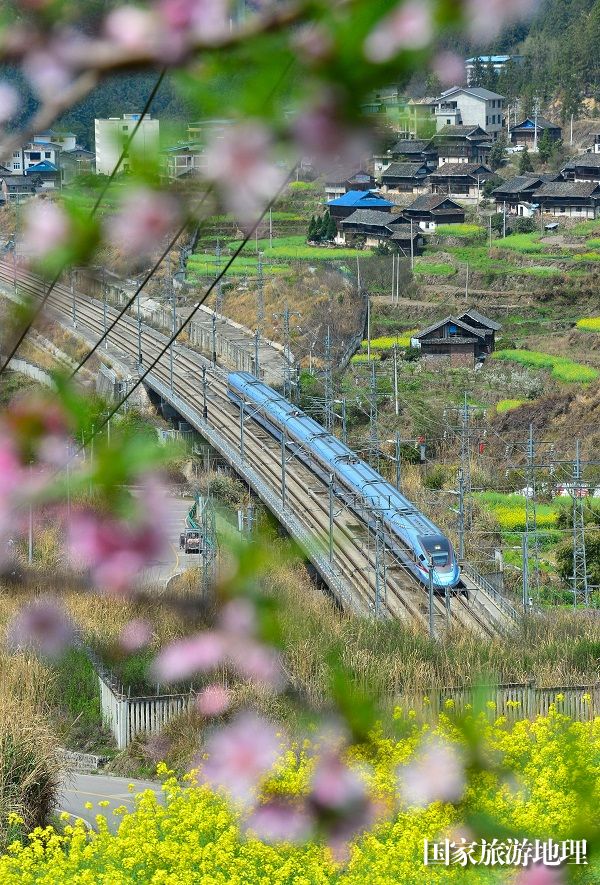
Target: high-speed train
x: 402, y: 521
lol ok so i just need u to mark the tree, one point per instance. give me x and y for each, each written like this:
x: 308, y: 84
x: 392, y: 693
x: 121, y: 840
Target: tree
x: 317, y: 228
x: 311, y: 228
x: 545, y: 147
x: 490, y: 76
x: 477, y: 75
x: 331, y: 229
x: 498, y: 153
x: 525, y: 164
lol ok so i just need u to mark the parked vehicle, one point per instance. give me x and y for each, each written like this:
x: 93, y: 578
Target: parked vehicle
x: 189, y: 541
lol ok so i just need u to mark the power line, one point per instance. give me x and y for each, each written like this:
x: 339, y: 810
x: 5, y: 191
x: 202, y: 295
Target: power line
x: 93, y: 211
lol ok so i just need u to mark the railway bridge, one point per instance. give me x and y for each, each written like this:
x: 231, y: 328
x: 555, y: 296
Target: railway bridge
x: 344, y: 543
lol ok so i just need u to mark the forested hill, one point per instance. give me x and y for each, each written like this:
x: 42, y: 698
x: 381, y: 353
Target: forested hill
x: 115, y: 96
x: 561, y: 47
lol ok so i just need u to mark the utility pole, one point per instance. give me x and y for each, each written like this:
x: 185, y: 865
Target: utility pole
x: 396, y: 403
x: 504, y: 221
x: 412, y: 248
x: 525, y: 571
x: 204, y: 404
x: 219, y: 299
x: 580, y: 577
x: 398, y: 461
x: 214, y: 338
x: 171, y: 291
x: 256, y: 353
x: 461, y: 514
x: 465, y: 459
x: 260, y: 295
x: 536, y: 110
x: 344, y: 422
x: 430, y: 588
x: 328, y: 383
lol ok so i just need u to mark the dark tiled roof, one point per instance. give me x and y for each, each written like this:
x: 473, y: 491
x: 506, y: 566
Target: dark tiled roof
x: 591, y: 160
x: 405, y: 170
x: 542, y: 123
x: 15, y: 180
x: 463, y: 131
x: 517, y: 184
x: 457, y: 322
x: 568, y: 189
x: 426, y: 202
x: 411, y: 146
x: 371, y: 216
x: 455, y: 339
x: 461, y: 170
x: 341, y: 174
x: 480, y: 318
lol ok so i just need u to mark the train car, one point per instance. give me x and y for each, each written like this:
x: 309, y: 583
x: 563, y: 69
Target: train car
x: 425, y: 541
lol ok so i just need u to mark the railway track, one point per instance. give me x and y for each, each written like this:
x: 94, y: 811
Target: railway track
x: 307, y: 496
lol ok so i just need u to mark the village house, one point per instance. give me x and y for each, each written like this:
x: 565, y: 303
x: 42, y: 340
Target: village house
x: 585, y: 167
x: 429, y: 210
x: 471, y: 106
x: 348, y: 203
x: 79, y: 161
x: 372, y: 228
x: 15, y: 188
x: 525, y: 133
x: 464, y: 180
x: 339, y: 181
x: 182, y: 159
x: 516, y: 195
x: 408, y: 178
x: 458, y: 340
x: 462, y: 144
x: 48, y: 173
x: 420, y: 114
x: 570, y: 199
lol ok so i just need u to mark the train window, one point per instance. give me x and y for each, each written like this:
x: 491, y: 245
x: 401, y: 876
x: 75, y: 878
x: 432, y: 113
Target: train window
x: 438, y: 549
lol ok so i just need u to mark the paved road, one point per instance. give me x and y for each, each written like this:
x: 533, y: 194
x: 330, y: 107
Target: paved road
x: 175, y: 560
x: 81, y: 788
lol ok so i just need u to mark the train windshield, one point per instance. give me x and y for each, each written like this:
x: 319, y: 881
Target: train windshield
x: 438, y: 549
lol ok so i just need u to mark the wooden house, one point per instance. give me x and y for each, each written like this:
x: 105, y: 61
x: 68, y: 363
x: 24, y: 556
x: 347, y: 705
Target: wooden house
x: 569, y: 199
x: 516, y: 195
x: 348, y: 203
x: 340, y: 180
x: 429, y: 210
x: 462, y: 144
x: 405, y: 178
x: 371, y: 228
x: 524, y: 133
x: 464, y: 180
x: 458, y: 340
x: 586, y: 167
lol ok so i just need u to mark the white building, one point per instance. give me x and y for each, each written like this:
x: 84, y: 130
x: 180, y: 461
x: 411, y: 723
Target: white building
x: 110, y: 135
x: 499, y: 62
x: 65, y: 140
x: 466, y: 106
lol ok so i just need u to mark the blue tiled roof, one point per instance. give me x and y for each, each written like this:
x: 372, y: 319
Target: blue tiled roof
x: 361, y: 199
x: 44, y: 166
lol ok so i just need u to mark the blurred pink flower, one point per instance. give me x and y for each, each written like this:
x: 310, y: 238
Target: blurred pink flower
x: 239, y: 755
x: 47, y: 73
x: 238, y: 617
x: 144, y: 219
x: 334, y: 785
x: 408, y: 26
x: 538, y: 874
x: 115, y: 550
x: 42, y: 625
x: 486, y: 19
x: 195, y: 654
x: 206, y: 20
x: 9, y: 101
x: 46, y: 228
x: 258, y: 662
x: 449, y: 68
x: 279, y: 821
x: 213, y: 700
x: 435, y: 775
x: 323, y: 137
x: 135, y: 635
x: 240, y: 161
x: 134, y: 29
x: 313, y: 43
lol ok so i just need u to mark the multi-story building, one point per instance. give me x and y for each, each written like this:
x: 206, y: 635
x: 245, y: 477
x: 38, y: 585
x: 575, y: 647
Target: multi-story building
x: 499, y: 63
x: 111, y: 134
x: 471, y: 106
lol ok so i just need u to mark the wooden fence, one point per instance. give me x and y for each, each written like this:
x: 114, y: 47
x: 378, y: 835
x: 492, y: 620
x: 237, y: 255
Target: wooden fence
x: 580, y: 702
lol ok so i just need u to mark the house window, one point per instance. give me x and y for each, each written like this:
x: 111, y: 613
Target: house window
x: 16, y: 153
x: 452, y: 330
x: 125, y: 128
x: 35, y: 155
x: 47, y: 155
x: 487, y: 121
x: 448, y: 122
x: 16, y: 165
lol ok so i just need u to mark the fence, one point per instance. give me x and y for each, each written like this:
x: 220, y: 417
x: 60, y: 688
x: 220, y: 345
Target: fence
x: 581, y: 702
x: 126, y: 716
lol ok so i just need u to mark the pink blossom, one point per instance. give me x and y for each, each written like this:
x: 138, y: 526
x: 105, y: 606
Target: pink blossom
x: 240, y: 160
x: 408, y: 26
x: 206, y: 20
x: 213, y: 700
x: 321, y: 135
x: 238, y: 617
x: 115, y: 550
x: 335, y: 786
x: 486, y: 20
x: 144, y: 219
x: 9, y: 101
x: 183, y: 658
x: 48, y: 74
x: 280, y: 821
x: 42, y: 625
x: 313, y: 43
x: 436, y: 775
x: 258, y: 662
x: 135, y: 635
x: 449, y: 68
x: 134, y: 29
x: 240, y: 754
x: 538, y: 874
x: 47, y: 228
